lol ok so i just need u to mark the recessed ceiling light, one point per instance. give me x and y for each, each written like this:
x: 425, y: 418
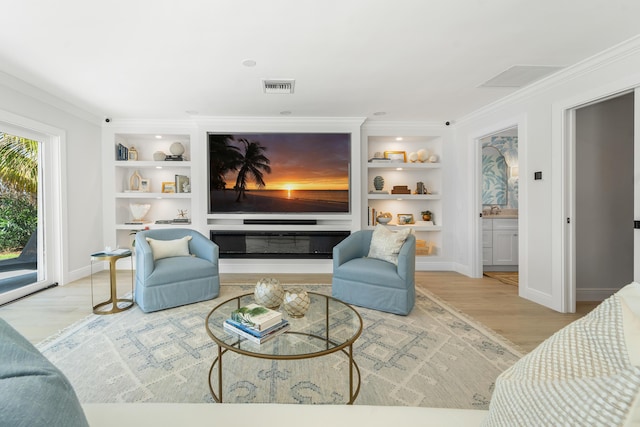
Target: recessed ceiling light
x: 399, y: 138
x: 379, y: 113
x: 249, y: 63
x: 285, y: 113
x: 158, y: 136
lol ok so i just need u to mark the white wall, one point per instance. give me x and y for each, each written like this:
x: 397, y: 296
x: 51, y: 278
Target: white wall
x: 604, y: 197
x: 538, y: 110
x: 83, y: 204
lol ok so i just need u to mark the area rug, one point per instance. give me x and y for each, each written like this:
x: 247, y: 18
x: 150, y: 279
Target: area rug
x: 506, y: 277
x: 435, y: 357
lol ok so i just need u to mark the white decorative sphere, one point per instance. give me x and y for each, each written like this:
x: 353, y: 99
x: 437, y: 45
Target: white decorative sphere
x: 433, y: 158
x: 413, y: 157
x: 159, y: 156
x: 269, y: 293
x: 177, y: 149
x: 422, y: 155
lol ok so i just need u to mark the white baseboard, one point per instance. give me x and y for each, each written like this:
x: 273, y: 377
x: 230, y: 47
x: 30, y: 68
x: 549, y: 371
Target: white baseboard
x: 461, y: 268
x: 80, y: 273
x: 433, y: 266
x: 595, y: 294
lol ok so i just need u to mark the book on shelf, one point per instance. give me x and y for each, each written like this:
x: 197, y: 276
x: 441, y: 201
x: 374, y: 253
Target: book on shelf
x: 379, y: 160
x: 256, y: 316
x: 278, y: 329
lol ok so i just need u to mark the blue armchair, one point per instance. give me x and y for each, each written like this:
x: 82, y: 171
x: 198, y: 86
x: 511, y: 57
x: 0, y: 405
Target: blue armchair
x: 371, y: 282
x: 175, y: 280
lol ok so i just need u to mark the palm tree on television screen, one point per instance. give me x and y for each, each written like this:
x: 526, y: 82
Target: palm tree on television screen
x: 252, y: 166
x: 224, y: 157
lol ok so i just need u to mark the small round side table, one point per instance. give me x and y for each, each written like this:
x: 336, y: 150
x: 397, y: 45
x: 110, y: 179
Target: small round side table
x: 112, y: 258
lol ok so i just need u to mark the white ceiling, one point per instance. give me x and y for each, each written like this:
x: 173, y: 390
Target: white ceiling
x: 413, y: 59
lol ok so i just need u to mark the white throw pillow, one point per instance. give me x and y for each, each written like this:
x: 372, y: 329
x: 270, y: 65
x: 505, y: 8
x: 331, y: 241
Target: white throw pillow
x: 169, y: 248
x: 386, y: 244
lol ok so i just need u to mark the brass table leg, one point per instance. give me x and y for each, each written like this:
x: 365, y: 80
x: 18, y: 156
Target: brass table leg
x: 113, y: 300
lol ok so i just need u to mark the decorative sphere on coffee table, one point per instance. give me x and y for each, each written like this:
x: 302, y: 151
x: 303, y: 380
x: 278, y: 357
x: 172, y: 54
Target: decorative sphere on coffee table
x: 296, y: 302
x: 269, y: 293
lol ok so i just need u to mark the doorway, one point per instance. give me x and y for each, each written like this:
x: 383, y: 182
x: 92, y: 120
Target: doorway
x: 42, y: 260
x: 499, y: 199
x: 603, y: 197
x: 19, y: 178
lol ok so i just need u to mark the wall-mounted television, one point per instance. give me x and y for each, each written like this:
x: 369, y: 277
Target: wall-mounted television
x: 271, y: 173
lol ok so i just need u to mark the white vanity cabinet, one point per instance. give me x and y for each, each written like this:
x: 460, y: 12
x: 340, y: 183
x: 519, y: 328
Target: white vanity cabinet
x: 487, y: 241
x: 499, y: 241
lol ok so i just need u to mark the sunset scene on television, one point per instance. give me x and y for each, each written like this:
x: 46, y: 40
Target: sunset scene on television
x: 279, y: 172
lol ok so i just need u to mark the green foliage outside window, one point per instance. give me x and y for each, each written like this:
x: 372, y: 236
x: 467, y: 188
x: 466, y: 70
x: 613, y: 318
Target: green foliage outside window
x: 18, y: 220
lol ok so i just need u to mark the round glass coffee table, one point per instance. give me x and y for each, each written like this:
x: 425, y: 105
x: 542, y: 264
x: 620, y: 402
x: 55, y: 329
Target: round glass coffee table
x: 329, y: 326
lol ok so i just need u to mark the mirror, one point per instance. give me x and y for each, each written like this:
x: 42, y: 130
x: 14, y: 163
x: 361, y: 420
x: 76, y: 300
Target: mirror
x: 494, y: 177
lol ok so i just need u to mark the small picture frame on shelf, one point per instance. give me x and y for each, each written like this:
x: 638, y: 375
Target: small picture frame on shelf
x: 405, y: 219
x: 182, y: 184
x: 396, y: 156
x: 168, y: 187
x: 145, y: 185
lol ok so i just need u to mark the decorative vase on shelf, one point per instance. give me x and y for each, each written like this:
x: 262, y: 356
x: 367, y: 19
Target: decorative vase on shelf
x: 177, y: 149
x: 159, y: 156
x: 296, y: 302
x: 138, y: 211
x: 135, y: 181
x: 378, y: 183
x: 269, y: 293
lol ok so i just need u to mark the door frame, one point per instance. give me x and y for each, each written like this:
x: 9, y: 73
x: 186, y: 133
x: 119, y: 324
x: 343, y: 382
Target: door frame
x: 563, y: 203
x: 518, y: 122
x: 52, y: 220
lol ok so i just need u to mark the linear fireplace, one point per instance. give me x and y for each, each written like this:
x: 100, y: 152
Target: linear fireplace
x: 277, y: 244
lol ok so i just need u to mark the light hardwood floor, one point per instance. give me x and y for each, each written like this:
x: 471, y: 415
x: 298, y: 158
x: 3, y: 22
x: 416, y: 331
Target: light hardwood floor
x: 486, y: 300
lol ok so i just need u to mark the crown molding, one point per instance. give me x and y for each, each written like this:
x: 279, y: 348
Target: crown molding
x: 45, y: 97
x: 602, y: 59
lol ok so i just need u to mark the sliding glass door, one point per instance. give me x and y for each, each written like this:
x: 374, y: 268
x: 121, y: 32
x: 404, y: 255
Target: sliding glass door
x: 23, y: 267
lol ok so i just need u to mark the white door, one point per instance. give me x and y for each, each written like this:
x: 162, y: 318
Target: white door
x: 636, y: 188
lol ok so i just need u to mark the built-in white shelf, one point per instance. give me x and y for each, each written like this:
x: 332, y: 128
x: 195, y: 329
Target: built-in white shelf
x: 146, y: 195
x: 403, y: 166
x: 152, y: 164
x: 383, y: 196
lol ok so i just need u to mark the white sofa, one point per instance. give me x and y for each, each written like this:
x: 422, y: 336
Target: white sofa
x: 274, y: 415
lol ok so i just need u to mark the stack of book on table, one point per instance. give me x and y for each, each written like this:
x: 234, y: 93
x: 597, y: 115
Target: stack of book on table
x: 256, y: 323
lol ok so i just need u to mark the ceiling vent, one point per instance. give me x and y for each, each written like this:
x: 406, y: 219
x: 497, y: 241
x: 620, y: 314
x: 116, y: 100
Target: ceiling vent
x: 279, y: 86
x: 520, y: 75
